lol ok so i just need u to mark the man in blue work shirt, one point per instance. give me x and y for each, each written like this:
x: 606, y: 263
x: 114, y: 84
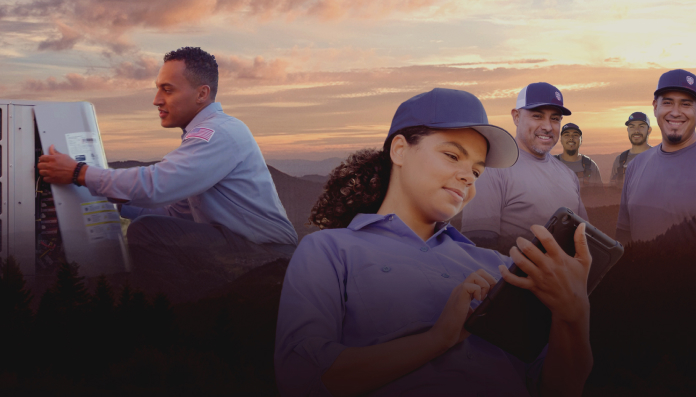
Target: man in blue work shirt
x: 209, y: 209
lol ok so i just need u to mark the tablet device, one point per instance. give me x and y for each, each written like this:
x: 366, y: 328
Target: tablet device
x: 513, y: 318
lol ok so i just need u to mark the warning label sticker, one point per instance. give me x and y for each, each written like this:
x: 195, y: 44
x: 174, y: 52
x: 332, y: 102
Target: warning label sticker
x: 101, y: 220
x: 82, y: 146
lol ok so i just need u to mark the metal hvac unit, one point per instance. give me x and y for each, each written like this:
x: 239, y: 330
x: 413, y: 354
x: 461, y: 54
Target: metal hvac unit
x: 42, y: 224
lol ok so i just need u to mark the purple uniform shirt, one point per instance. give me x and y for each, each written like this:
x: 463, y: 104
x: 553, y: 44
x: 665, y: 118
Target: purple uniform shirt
x: 510, y: 200
x: 376, y: 281
x: 659, y: 191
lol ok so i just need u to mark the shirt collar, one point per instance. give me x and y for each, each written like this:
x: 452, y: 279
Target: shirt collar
x: 202, y: 115
x: 396, y: 225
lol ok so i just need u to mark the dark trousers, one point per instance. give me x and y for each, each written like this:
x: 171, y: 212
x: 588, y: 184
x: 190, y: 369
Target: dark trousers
x: 187, y: 260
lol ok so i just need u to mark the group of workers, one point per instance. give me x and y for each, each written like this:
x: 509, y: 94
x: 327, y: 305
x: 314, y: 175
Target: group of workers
x: 587, y: 171
x: 375, y: 302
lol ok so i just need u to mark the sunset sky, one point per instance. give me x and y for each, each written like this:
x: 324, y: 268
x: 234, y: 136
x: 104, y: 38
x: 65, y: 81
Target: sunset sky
x: 319, y: 78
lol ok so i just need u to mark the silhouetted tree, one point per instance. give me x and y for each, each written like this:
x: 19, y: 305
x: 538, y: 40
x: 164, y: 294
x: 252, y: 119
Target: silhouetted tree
x: 68, y: 298
x: 15, y: 316
x: 163, y: 330
x: 643, y: 318
x: 14, y: 297
x: 103, y: 300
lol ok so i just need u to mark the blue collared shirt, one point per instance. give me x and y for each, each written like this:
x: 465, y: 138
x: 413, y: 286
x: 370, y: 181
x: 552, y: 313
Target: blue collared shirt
x: 222, y: 179
x: 376, y: 281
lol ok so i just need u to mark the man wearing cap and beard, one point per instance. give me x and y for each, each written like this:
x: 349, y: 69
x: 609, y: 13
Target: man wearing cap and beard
x: 659, y: 187
x: 583, y: 166
x: 638, y: 127
x: 508, y: 201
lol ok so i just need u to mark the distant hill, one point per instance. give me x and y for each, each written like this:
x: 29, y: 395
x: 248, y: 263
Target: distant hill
x: 604, y: 162
x: 306, y: 167
x: 316, y: 178
x: 604, y: 218
x: 130, y: 163
x: 298, y: 197
x: 600, y: 196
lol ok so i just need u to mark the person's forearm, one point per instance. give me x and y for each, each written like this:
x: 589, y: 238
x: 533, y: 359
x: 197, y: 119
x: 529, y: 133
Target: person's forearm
x: 569, y: 359
x: 361, y: 369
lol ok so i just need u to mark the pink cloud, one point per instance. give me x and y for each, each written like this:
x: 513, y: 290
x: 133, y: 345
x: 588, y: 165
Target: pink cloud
x: 68, y: 38
x: 72, y: 82
x: 257, y: 69
x: 144, y: 68
x: 108, y: 22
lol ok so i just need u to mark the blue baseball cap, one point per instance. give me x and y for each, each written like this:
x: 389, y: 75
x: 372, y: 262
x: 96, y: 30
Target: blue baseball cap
x: 444, y: 108
x: 677, y: 80
x: 540, y: 94
x: 638, y: 116
x: 570, y: 126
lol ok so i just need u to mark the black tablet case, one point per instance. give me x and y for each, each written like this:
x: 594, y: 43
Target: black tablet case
x: 513, y: 318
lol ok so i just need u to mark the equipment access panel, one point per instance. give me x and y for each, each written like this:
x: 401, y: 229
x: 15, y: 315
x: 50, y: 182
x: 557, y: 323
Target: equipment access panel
x: 65, y: 222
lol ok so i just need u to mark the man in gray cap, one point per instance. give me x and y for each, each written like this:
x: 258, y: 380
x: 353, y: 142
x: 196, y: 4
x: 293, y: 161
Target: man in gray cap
x: 659, y: 187
x: 638, y: 126
x: 508, y: 201
x: 583, y: 166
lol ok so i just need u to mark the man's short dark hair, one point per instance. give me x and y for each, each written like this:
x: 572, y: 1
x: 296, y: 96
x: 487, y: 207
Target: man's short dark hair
x: 201, y: 67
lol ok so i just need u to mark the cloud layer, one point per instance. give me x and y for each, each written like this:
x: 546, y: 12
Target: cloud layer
x: 323, y: 77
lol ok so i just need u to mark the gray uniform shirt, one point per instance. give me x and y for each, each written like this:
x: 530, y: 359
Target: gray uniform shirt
x: 576, y: 166
x: 510, y: 200
x: 216, y: 175
x: 659, y: 190
x: 615, y: 168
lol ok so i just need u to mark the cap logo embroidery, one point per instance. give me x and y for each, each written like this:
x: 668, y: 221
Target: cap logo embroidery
x: 630, y: 117
x: 690, y: 80
x: 558, y: 95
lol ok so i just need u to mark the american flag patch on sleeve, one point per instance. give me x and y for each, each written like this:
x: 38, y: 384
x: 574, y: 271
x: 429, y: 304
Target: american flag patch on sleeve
x: 200, y: 133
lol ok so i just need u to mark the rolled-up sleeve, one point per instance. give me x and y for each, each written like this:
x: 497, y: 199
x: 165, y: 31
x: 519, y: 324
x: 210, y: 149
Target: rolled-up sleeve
x: 310, y: 318
x: 190, y: 169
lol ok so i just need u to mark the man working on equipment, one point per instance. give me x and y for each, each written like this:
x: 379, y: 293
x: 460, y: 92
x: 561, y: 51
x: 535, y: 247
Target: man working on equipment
x: 639, y: 130
x: 659, y: 189
x: 208, y: 202
x: 583, y: 166
x: 508, y: 201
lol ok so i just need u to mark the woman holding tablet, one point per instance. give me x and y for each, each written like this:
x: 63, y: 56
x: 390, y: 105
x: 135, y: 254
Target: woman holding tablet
x: 375, y: 303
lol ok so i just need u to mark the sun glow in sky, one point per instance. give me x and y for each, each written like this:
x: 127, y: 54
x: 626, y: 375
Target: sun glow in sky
x: 320, y: 78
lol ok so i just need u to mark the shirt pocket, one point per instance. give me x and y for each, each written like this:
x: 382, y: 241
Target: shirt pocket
x: 395, y: 296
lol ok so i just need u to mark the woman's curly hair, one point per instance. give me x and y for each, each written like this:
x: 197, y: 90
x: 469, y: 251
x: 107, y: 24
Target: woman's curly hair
x: 359, y: 184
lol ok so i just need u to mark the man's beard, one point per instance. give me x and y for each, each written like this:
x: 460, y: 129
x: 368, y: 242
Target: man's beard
x: 642, y: 140
x: 674, y: 138
x: 572, y: 152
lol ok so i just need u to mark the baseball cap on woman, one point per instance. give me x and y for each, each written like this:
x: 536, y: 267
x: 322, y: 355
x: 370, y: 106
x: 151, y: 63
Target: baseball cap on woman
x: 444, y: 108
